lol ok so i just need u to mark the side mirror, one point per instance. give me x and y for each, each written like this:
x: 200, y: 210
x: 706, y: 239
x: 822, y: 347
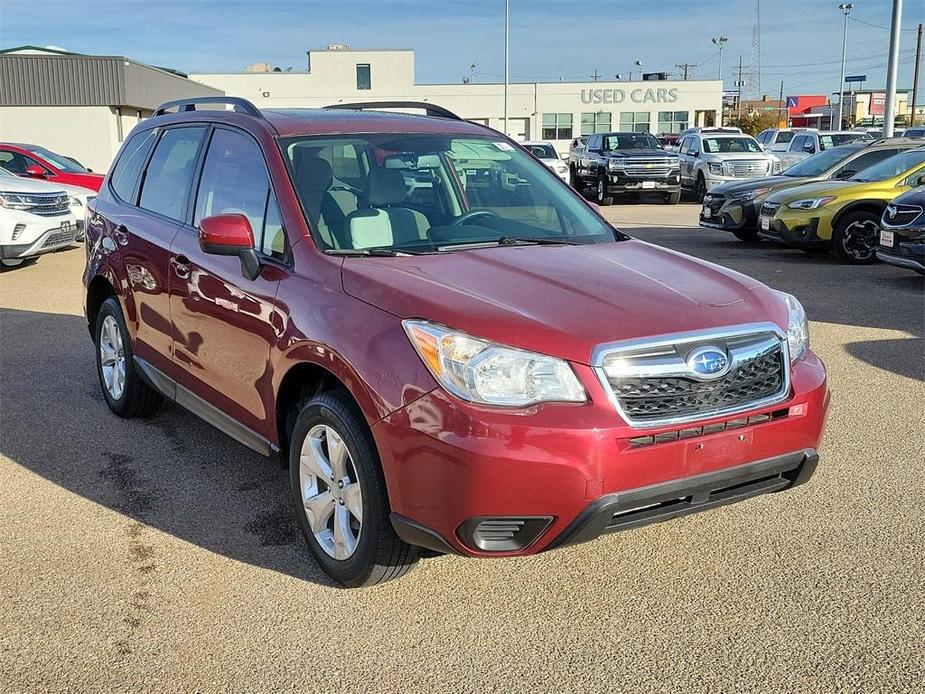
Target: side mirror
x: 230, y: 234
x: 810, y: 148
x: 35, y: 171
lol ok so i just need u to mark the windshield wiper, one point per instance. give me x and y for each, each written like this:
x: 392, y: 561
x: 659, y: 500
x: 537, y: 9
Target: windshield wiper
x: 536, y: 241
x: 368, y: 252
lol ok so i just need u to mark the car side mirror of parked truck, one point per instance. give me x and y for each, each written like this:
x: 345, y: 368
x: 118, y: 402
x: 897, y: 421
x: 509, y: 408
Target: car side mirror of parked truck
x: 230, y: 234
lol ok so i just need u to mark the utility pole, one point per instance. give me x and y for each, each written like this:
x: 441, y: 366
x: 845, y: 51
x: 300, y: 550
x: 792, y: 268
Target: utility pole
x: 783, y: 107
x: 507, y: 55
x: 846, y: 8
x: 739, y: 85
x: 915, y: 77
x: 892, y: 68
x: 596, y: 77
x: 720, y: 42
x: 686, y: 67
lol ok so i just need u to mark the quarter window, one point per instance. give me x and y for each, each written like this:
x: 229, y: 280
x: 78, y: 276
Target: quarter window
x: 364, y: 79
x: 672, y: 121
x: 125, y: 174
x: 235, y: 180
x: 557, y: 126
x: 595, y: 122
x: 635, y: 121
x: 169, y: 175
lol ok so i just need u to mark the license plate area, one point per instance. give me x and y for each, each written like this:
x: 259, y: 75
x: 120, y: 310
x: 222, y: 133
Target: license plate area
x: 648, y: 185
x: 765, y: 222
x: 887, y: 238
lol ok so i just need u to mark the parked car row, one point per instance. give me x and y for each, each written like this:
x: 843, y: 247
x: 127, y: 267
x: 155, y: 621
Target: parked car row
x: 831, y: 201
x: 43, y: 201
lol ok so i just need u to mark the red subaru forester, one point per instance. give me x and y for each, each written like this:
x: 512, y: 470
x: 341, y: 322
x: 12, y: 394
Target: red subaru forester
x: 451, y: 350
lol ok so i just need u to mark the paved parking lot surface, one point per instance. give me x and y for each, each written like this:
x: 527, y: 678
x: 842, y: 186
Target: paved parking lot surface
x: 160, y: 555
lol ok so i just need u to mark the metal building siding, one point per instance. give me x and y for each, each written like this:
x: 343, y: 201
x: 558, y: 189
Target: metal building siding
x: 32, y: 80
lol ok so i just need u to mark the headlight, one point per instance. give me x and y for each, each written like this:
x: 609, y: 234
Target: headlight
x: 488, y: 373
x: 775, y: 166
x: 12, y: 201
x: 674, y: 164
x: 810, y: 203
x: 797, y: 327
x: 561, y: 168
x: 615, y: 163
x: 73, y: 202
x: 749, y: 194
x: 715, y: 168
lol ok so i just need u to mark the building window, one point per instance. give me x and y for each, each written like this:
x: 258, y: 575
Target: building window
x: 595, y: 123
x: 363, y: 78
x: 557, y: 126
x: 634, y: 121
x: 672, y: 121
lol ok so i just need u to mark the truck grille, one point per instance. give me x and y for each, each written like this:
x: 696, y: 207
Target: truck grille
x: 649, y: 166
x: 746, y: 168
x: 900, y: 215
x: 657, y: 383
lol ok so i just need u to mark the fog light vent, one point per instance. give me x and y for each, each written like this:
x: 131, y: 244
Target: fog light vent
x: 503, y: 533
x: 17, y: 230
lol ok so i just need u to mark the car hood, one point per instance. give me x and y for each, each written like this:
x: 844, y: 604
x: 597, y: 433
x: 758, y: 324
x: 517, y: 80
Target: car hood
x: 563, y: 300
x: 76, y: 191
x: 755, y: 184
x: 15, y: 184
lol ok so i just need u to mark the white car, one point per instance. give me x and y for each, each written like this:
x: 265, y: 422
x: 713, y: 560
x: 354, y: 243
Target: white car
x: 811, y: 142
x: 35, y: 218
x: 778, y: 140
x: 546, y: 153
x: 78, y: 198
x: 710, y: 158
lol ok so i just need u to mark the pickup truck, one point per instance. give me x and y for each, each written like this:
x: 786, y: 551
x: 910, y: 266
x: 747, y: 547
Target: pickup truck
x: 624, y: 163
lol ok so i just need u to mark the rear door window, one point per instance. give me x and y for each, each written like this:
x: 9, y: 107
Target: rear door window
x: 169, y: 175
x: 125, y: 174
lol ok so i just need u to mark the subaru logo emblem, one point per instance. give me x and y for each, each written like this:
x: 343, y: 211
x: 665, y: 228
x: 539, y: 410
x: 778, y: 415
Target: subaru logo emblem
x: 708, y: 362
x: 891, y: 211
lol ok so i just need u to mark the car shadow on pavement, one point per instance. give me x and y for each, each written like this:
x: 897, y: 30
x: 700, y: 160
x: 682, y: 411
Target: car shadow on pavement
x: 905, y: 357
x: 172, y: 471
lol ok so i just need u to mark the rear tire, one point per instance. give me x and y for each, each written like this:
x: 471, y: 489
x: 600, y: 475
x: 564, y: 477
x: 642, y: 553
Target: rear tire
x: 333, y: 460
x: 747, y: 235
x: 854, y: 239
x: 125, y: 392
x: 600, y: 194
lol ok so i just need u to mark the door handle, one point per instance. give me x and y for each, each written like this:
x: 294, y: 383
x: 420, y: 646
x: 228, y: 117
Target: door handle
x: 180, y: 265
x: 121, y: 234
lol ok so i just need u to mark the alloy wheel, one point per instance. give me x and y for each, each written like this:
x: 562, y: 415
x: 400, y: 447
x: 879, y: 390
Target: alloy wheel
x: 112, y: 358
x: 860, y: 239
x: 600, y: 190
x: 331, y: 495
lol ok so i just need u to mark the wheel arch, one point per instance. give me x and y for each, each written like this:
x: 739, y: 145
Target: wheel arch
x: 99, y: 289
x: 873, y: 206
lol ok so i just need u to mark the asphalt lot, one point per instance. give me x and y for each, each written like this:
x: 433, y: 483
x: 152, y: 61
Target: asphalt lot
x: 159, y: 555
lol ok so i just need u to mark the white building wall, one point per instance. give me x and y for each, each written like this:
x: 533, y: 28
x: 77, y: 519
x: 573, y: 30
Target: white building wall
x: 332, y: 78
x: 87, y: 133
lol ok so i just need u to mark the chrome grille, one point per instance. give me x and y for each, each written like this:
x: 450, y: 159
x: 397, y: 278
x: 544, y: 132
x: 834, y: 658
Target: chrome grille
x: 652, y: 383
x: 649, y: 166
x: 746, y: 168
x: 42, y: 204
x: 900, y: 215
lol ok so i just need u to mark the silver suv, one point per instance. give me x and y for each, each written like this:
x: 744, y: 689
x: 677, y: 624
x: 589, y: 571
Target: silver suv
x: 778, y: 139
x: 711, y: 158
x: 812, y: 142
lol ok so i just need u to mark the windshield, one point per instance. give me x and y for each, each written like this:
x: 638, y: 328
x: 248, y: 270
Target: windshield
x: 431, y: 192
x: 713, y: 145
x: 630, y: 141
x: 895, y: 166
x: 829, y: 141
x: 58, y: 161
x: 818, y: 164
x: 542, y: 151
x: 784, y: 136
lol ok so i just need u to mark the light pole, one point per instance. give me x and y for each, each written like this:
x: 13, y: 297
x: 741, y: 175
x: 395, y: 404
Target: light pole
x: 720, y: 43
x: 638, y: 64
x: 889, y: 109
x: 846, y: 8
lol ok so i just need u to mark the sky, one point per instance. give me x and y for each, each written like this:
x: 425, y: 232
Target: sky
x: 801, y: 40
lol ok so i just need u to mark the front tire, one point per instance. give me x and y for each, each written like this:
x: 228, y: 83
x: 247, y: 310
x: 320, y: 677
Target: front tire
x: 747, y: 235
x: 700, y: 188
x: 673, y: 198
x: 600, y: 192
x: 125, y: 392
x: 339, y: 495
x: 854, y: 240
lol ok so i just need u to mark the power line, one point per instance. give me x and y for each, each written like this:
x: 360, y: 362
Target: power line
x: 877, y: 26
x: 686, y: 68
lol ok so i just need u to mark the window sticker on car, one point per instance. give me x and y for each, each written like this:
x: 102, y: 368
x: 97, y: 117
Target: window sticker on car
x: 503, y: 146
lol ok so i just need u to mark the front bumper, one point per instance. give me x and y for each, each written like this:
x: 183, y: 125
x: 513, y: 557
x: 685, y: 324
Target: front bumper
x: 800, y: 229
x: 729, y: 215
x: 39, y: 235
x: 448, y: 463
x: 618, y: 183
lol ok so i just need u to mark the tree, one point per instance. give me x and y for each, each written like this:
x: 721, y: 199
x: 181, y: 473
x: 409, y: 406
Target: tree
x: 754, y: 122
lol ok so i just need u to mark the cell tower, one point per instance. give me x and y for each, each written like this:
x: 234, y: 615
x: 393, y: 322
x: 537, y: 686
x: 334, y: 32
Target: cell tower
x: 753, y: 80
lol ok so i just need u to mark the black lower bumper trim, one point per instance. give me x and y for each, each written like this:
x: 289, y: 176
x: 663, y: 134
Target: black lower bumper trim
x: 908, y: 262
x: 419, y: 535
x: 659, y: 502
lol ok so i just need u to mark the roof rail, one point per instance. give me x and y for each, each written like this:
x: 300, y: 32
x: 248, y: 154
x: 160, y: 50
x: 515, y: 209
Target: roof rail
x: 430, y: 109
x: 239, y: 105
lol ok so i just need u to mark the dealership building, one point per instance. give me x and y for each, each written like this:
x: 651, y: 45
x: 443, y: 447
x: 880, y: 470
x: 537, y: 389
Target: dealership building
x: 556, y: 111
